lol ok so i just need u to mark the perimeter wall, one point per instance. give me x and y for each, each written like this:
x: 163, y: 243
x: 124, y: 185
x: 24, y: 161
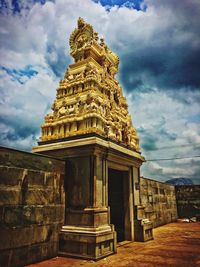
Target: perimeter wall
x: 159, y: 201
x: 188, y: 200
x: 31, y: 207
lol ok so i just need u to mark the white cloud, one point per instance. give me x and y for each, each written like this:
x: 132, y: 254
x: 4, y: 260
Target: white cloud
x: 164, y: 117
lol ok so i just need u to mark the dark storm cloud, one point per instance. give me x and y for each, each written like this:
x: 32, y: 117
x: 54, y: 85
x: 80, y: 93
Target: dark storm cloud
x: 19, y: 134
x: 148, y: 140
x: 149, y: 143
x: 170, y: 58
x: 157, y: 68
x: 21, y: 128
x: 166, y: 135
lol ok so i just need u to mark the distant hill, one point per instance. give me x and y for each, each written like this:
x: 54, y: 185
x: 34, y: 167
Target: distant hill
x: 180, y: 181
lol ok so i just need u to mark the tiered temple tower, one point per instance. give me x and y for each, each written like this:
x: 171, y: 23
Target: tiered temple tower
x: 91, y: 129
x: 89, y: 98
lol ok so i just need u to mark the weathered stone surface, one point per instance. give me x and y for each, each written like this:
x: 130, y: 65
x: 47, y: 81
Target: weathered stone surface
x: 188, y: 200
x: 26, y: 160
x: 23, y: 236
x: 11, y: 176
x: 23, y: 191
x: 78, y: 193
x: 159, y: 201
x: 27, y: 215
x: 24, y: 255
x: 87, y: 246
x: 14, y: 237
x: 31, y: 207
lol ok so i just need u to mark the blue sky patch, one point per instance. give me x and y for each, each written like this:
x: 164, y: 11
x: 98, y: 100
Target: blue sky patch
x: 132, y: 4
x: 16, y: 5
x: 19, y: 75
x: 195, y: 118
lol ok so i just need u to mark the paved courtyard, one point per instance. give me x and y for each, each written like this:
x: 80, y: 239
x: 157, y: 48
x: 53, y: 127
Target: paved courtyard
x: 175, y: 245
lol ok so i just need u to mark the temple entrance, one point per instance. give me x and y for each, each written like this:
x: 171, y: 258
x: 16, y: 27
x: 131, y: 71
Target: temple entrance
x: 117, y: 201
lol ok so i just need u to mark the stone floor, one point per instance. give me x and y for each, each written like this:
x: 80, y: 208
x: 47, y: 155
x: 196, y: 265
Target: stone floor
x: 175, y: 245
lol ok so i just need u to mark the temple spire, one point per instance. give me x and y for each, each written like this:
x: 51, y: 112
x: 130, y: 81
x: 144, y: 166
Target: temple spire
x: 89, y: 99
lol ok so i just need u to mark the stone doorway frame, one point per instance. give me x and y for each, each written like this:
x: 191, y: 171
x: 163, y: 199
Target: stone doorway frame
x: 128, y: 198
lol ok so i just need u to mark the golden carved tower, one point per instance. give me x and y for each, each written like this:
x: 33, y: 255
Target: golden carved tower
x: 89, y: 98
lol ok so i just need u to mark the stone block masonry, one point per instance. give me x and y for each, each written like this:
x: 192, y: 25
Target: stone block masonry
x: 188, y: 201
x: 31, y: 206
x: 159, y: 201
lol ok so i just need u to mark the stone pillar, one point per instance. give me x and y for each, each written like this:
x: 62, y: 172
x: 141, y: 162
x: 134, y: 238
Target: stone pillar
x: 129, y: 219
x: 143, y: 228
x: 87, y: 232
x: 136, y: 185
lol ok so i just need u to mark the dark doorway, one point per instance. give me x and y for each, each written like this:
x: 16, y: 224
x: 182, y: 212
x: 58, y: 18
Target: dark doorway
x: 116, y: 202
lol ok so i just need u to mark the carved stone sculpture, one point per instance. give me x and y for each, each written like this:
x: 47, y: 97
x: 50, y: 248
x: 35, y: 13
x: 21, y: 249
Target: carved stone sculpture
x: 89, y: 98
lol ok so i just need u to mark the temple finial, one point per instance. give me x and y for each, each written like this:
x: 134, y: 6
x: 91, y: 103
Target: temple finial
x: 80, y: 23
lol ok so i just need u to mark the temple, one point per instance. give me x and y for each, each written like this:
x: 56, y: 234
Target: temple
x: 91, y: 129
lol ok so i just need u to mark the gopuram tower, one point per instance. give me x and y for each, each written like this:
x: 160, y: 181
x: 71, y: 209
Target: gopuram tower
x: 89, y: 99
x: 90, y: 128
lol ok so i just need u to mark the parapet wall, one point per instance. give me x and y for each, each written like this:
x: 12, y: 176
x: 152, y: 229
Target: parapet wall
x: 159, y: 201
x: 31, y: 207
x: 188, y: 200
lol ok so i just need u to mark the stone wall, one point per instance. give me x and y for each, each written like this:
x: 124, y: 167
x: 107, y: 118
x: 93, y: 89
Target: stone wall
x: 159, y: 201
x: 31, y: 207
x: 188, y: 200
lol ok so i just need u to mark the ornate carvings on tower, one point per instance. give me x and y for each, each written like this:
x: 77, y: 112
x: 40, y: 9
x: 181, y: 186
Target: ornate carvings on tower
x: 89, y: 98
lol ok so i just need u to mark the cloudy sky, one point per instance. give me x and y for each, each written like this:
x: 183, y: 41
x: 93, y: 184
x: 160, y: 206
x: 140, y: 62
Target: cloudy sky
x: 158, y: 43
